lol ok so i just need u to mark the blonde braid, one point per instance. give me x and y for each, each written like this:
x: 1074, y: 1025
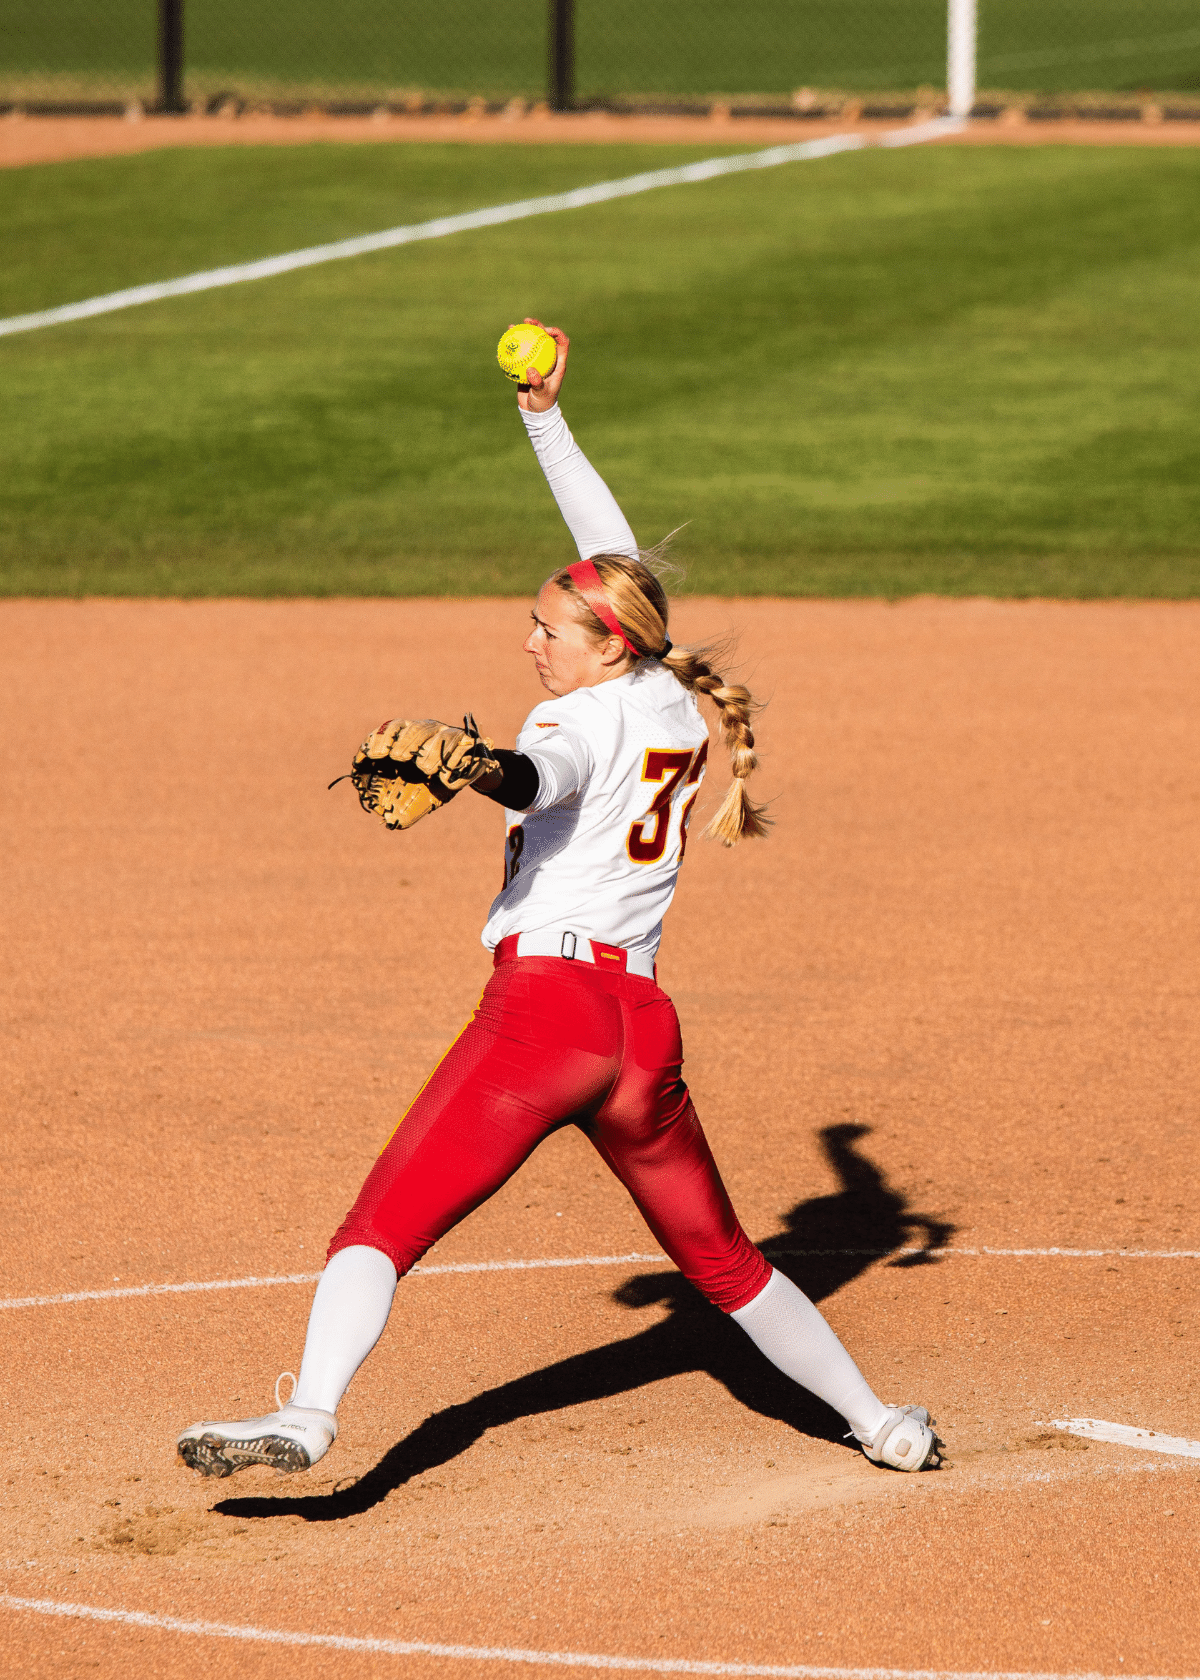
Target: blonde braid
x: 640, y: 604
x: 738, y: 818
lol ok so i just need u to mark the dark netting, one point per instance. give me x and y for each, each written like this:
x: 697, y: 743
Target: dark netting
x: 804, y: 56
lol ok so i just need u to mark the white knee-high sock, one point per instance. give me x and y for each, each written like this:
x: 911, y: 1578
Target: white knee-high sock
x: 348, y: 1314
x: 782, y: 1322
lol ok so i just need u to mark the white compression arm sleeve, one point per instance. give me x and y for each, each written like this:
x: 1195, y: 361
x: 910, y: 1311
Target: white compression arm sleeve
x: 584, y: 500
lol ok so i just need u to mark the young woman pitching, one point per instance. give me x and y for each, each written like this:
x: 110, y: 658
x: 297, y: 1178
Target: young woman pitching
x: 572, y: 1028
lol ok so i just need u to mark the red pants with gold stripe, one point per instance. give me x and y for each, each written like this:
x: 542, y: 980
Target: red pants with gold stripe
x: 556, y: 1043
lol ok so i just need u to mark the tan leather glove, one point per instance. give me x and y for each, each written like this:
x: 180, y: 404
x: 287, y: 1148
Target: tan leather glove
x: 410, y: 767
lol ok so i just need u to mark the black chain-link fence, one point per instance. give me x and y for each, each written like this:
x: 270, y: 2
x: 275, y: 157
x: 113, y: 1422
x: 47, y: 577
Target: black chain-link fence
x: 801, y: 55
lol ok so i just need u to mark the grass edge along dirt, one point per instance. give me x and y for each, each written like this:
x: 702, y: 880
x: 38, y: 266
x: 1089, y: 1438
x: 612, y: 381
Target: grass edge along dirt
x: 956, y: 372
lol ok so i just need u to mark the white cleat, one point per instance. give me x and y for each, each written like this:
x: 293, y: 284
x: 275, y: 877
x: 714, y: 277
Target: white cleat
x: 905, y: 1441
x: 293, y: 1438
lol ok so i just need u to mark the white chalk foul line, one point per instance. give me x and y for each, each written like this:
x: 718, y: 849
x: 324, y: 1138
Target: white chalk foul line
x: 442, y: 226
x: 156, y: 1289
x: 514, y: 1654
x: 1122, y: 1435
x: 131, y: 1291
x: 311, y: 1277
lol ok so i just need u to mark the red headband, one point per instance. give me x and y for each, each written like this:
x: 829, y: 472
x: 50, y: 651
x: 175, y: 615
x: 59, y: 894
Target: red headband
x: 586, y: 579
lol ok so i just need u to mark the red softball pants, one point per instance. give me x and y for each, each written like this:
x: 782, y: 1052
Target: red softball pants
x: 556, y: 1043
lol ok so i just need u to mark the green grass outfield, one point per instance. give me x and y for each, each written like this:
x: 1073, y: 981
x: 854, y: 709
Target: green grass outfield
x: 934, y: 370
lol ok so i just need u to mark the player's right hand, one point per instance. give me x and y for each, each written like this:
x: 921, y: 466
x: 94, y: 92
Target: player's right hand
x: 543, y: 393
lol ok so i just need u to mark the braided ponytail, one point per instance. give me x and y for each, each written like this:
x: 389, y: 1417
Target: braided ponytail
x: 640, y: 603
x: 738, y: 817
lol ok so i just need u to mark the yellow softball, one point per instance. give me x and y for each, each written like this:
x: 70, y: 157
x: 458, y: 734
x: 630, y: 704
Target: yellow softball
x: 523, y: 347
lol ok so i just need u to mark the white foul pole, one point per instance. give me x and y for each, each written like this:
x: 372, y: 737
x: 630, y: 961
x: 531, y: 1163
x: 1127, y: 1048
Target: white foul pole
x: 960, y: 56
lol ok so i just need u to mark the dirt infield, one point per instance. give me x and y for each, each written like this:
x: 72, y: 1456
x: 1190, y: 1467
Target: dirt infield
x: 26, y: 140
x: 950, y: 1004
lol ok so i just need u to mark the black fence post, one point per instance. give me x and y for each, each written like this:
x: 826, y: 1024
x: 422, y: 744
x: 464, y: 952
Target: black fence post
x: 170, y: 55
x: 562, y: 54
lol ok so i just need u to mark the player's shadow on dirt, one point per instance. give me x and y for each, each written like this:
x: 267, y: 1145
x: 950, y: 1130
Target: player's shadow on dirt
x: 828, y: 1241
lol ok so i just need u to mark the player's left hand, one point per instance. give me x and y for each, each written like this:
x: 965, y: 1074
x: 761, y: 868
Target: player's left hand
x: 409, y: 767
x: 543, y: 393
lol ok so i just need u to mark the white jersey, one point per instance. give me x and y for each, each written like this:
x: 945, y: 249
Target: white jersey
x: 598, y: 851
x: 619, y: 765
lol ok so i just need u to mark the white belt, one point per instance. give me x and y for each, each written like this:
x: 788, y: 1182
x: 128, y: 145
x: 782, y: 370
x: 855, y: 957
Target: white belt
x: 577, y: 947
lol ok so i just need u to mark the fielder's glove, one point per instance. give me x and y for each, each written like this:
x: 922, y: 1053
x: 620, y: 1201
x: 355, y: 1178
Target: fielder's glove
x: 407, y: 768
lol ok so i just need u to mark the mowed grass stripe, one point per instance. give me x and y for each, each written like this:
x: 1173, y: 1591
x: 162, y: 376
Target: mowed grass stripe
x: 445, y: 227
x: 469, y: 221
x: 955, y: 371
x: 96, y: 225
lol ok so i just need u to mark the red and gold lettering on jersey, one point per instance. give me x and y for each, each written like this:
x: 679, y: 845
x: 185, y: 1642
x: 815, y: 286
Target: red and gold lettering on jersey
x: 694, y: 774
x: 647, y: 839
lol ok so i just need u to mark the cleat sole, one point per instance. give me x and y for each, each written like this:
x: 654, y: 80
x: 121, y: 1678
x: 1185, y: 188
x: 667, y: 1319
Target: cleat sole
x: 212, y: 1455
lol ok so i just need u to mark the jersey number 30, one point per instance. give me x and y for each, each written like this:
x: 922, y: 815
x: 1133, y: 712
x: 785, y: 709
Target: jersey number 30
x: 647, y: 840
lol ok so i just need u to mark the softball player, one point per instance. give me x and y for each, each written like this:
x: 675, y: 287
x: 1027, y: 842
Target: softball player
x: 572, y: 1028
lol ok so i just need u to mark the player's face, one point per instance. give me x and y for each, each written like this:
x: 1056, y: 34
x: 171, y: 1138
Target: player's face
x: 565, y: 655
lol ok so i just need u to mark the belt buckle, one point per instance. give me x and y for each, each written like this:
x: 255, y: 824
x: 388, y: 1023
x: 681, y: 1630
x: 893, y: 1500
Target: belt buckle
x: 569, y: 954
